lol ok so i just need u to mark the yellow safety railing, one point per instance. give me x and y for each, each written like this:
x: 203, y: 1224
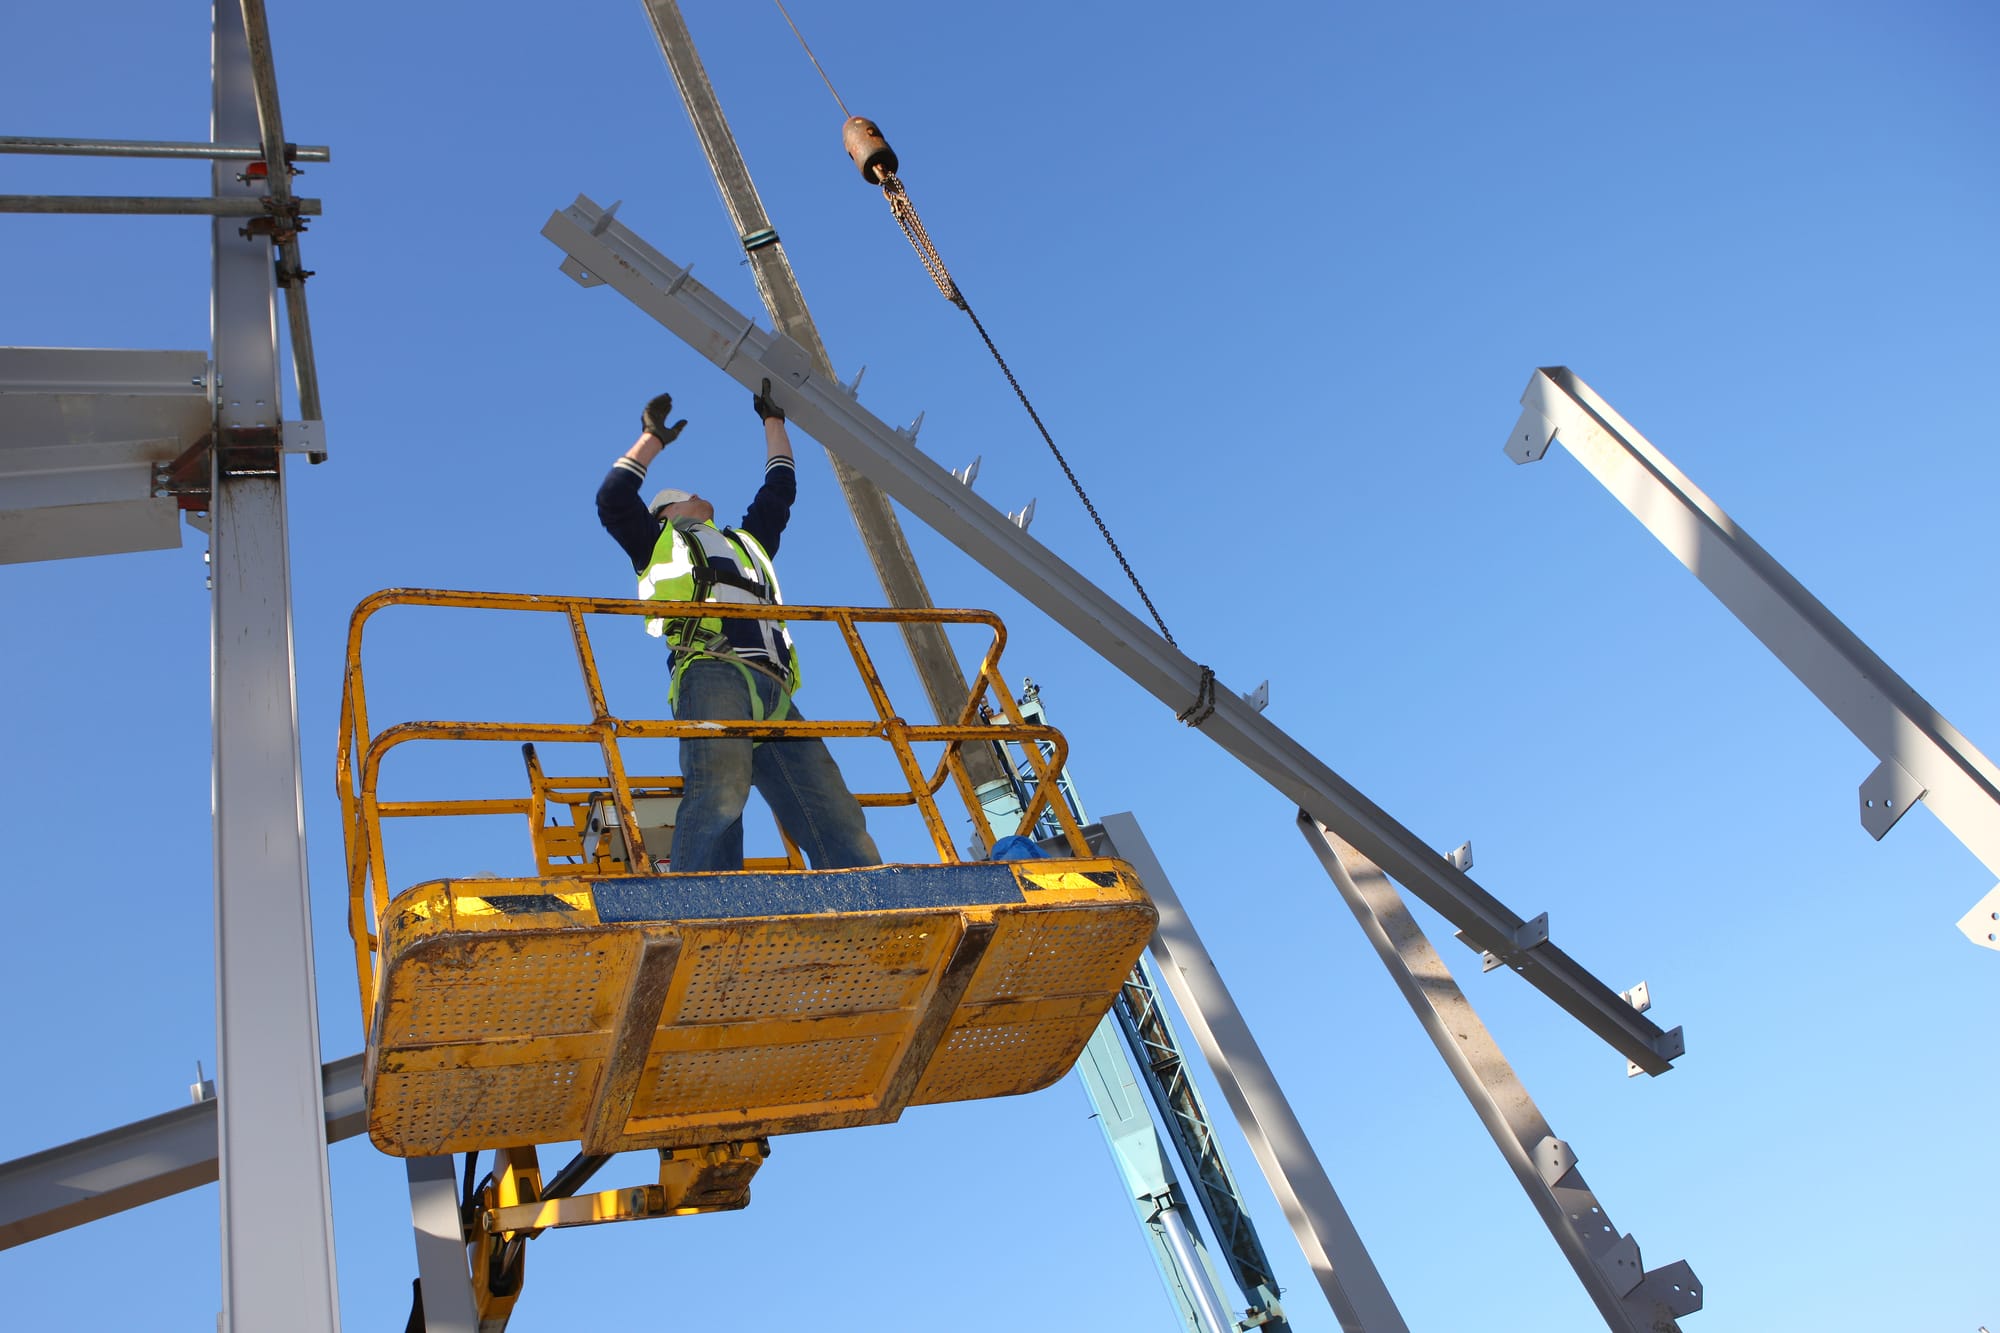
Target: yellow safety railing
x: 989, y: 715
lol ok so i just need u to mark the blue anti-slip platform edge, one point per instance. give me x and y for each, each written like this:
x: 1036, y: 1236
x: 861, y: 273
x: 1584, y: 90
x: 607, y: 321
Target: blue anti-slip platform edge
x: 722, y: 896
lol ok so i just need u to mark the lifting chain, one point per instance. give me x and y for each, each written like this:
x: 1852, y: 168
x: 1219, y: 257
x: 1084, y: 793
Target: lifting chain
x: 879, y: 166
x: 877, y: 161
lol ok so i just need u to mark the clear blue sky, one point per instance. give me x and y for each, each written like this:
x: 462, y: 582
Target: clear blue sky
x: 1276, y: 275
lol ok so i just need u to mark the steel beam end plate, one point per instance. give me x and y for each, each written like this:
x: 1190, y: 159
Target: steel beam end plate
x: 1531, y: 437
x: 1982, y: 924
x: 1886, y: 796
x: 582, y: 276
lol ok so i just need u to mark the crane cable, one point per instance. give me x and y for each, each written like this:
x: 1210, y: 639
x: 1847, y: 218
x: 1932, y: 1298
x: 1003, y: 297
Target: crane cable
x: 879, y: 167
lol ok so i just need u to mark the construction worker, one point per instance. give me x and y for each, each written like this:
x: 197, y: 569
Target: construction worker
x: 730, y: 669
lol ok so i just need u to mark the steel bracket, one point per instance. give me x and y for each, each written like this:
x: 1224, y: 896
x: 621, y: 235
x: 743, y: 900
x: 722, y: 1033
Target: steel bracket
x: 1886, y: 796
x: 582, y: 276
x: 1554, y: 1159
x: 1527, y: 935
x: 1982, y: 924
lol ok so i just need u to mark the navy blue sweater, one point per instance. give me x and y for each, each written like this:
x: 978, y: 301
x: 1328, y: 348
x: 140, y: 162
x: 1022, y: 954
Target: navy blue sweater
x: 624, y: 515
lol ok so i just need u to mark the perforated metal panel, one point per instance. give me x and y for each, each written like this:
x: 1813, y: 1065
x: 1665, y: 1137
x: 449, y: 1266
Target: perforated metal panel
x: 808, y: 968
x: 691, y: 1083
x: 498, y: 990
x: 1056, y: 953
x: 526, y: 1103
x: 998, y: 1059
x: 496, y: 1028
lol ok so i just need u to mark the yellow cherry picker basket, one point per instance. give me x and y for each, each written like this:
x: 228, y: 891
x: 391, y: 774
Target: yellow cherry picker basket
x: 609, y: 1001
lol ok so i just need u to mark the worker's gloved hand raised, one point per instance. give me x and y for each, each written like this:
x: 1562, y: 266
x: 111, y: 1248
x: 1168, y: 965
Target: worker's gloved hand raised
x: 766, y: 409
x: 654, y: 419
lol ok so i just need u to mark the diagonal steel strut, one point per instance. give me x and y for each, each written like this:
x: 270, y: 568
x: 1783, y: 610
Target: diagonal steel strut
x: 603, y: 251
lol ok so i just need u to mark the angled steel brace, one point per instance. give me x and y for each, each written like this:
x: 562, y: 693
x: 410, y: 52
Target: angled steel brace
x: 1631, y: 1298
x: 602, y: 251
x: 107, y: 1173
x: 1923, y: 757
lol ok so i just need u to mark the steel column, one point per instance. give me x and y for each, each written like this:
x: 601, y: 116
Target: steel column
x: 1923, y: 757
x: 604, y: 250
x: 277, y: 1223
x: 1332, y: 1246
x: 881, y: 531
x: 1631, y: 1299
x: 441, y: 1263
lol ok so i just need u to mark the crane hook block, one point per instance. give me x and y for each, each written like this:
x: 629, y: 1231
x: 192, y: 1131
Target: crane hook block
x: 870, y: 151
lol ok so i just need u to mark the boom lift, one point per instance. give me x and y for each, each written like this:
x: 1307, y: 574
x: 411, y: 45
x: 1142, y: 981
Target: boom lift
x: 607, y: 1001
x: 1138, y: 1026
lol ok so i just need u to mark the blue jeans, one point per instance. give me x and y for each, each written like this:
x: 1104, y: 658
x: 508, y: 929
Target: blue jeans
x: 797, y: 778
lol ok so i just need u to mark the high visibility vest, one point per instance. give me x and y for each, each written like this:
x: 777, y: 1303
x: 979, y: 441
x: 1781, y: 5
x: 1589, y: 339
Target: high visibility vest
x: 698, y: 562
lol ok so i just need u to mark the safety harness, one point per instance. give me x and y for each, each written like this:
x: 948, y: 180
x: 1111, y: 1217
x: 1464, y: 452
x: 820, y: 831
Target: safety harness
x: 723, y: 565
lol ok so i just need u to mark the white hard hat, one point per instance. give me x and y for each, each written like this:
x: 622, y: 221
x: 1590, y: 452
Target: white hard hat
x: 667, y: 497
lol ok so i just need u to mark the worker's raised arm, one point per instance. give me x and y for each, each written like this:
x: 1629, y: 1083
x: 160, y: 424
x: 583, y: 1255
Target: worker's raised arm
x: 777, y: 442
x: 619, y: 508
x: 771, y: 509
x: 654, y: 432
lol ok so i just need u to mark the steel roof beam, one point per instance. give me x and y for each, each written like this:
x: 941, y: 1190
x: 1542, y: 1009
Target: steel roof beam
x: 602, y: 250
x: 107, y: 1173
x: 1923, y: 757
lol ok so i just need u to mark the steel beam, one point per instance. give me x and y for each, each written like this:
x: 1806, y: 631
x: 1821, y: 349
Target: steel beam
x: 1332, y: 1246
x: 446, y: 1292
x: 87, y: 434
x: 107, y: 1173
x: 603, y: 250
x: 881, y: 531
x: 1631, y: 1299
x: 277, y: 1219
x: 1922, y: 755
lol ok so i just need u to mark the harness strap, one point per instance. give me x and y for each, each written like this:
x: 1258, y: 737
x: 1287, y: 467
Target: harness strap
x: 686, y: 660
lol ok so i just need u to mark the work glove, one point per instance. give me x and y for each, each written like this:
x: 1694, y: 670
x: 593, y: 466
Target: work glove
x: 654, y: 419
x: 766, y: 409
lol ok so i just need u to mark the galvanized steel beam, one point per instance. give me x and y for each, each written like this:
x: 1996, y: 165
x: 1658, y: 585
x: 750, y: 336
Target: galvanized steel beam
x: 66, y: 1186
x: 602, y: 250
x: 89, y: 436
x: 1923, y: 757
x: 277, y: 1216
x: 446, y: 1291
x: 1631, y: 1299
